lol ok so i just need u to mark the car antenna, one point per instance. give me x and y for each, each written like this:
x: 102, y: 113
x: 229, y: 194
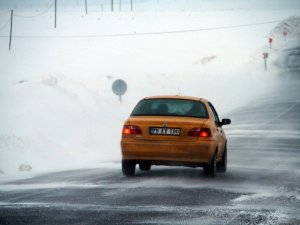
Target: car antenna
x: 178, y: 91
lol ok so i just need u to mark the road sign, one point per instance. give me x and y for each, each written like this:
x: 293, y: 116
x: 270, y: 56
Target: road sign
x: 119, y: 87
x: 265, y: 56
x: 270, y: 41
x: 285, y: 34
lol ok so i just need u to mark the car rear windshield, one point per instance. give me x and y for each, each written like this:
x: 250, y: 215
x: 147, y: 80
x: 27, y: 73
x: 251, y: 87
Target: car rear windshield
x: 170, y: 107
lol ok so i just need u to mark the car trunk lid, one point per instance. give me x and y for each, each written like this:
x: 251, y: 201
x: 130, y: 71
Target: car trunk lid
x: 165, y: 127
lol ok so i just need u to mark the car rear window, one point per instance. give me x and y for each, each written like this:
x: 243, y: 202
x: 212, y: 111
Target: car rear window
x: 170, y: 107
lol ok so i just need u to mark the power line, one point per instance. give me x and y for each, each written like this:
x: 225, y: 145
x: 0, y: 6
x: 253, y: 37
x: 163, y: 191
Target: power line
x: 39, y: 14
x: 4, y: 12
x: 5, y: 25
x: 144, y: 33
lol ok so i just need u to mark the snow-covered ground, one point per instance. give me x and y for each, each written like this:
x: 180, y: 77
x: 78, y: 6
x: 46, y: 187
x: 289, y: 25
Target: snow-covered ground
x: 57, y: 107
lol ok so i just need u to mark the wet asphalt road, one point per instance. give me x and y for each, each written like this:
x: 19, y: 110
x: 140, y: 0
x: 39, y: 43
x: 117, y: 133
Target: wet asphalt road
x: 262, y: 185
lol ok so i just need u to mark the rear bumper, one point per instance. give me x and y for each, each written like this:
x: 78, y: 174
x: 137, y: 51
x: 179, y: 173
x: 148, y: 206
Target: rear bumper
x: 194, y: 152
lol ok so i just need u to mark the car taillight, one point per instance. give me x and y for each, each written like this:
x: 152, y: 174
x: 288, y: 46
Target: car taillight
x: 199, y: 132
x: 131, y: 129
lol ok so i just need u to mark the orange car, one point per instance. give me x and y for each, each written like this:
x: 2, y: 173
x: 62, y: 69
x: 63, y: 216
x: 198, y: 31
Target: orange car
x: 174, y: 130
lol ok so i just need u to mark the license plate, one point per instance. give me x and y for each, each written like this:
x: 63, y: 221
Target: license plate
x: 164, y: 131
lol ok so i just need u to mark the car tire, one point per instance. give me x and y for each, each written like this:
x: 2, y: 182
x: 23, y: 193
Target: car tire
x: 210, y: 169
x: 128, y: 168
x: 222, y: 166
x: 145, y: 166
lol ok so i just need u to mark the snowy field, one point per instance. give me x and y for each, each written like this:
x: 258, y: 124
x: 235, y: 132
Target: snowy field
x: 57, y: 107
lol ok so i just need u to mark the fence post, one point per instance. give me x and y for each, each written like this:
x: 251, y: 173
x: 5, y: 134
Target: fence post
x: 11, y: 24
x: 265, y: 57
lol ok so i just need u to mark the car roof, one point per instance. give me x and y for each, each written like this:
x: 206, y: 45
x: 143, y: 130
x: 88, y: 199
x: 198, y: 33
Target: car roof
x: 177, y: 97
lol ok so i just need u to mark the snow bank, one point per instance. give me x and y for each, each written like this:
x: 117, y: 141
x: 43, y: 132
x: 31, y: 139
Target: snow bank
x: 291, y: 26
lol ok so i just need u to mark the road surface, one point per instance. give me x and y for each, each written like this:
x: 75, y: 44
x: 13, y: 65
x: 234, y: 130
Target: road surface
x: 262, y: 185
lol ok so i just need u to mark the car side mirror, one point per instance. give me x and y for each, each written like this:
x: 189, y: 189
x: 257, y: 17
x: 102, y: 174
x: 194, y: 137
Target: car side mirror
x: 225, y: 122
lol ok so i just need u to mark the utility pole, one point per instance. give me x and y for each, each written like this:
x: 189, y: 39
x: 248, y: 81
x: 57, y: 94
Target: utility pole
x: 112, y: 5
x: 86, y: 12
x: 120, y: 5
x: 11, y: 24
x: 131, y: 3
x: 55, y: 13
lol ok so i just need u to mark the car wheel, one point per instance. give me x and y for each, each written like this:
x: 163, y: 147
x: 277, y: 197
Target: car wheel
x: 128, y: 168
x: 222, y: 166
x: 145, y: 166
x: 210, y: 169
